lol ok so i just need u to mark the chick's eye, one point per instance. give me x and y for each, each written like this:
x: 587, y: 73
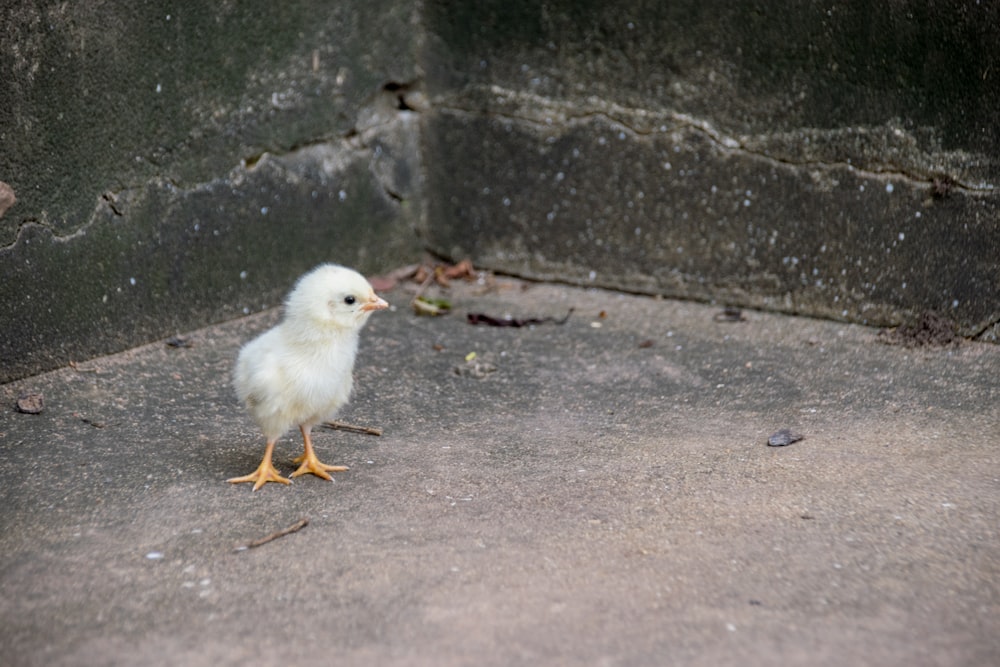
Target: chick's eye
x: 349, y: 300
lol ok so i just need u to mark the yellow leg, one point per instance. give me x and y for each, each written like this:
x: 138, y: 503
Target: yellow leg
x: 264, y: 473
x: 309, y: 461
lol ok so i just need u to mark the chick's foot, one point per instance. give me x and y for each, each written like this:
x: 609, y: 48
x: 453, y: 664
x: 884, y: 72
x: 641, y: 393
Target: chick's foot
x: 265, y: 472
x: 310, y: 463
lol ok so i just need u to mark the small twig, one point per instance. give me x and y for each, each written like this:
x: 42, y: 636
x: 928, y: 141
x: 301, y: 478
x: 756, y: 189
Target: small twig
x: 297, y: 526
x: 341, y: 426
x: 80, y: 369
x: 86, y: 420
x: 424, y: 285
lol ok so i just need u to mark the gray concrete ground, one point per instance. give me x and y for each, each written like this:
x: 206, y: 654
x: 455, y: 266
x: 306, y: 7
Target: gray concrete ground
x: 604, y: 497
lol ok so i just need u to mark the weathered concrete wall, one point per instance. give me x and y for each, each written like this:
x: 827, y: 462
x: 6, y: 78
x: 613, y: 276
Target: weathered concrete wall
x: 179, y: 166
x: 835, y: 160
x: 175, y: 166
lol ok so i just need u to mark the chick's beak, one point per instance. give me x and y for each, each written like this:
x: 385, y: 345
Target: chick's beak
x: 374, y: 303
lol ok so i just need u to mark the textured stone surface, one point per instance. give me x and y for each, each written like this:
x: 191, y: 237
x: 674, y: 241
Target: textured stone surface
x: 592, y: 501
x: 833, y: 161
x: 100, y: 97
x: 674, y: 210
x: 840, y: 162
x: 179, y: 166
x: 176, y: 257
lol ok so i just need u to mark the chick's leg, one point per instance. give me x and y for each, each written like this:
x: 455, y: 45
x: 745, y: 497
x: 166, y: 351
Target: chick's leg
x: 265, y: 472
x: 309, y: 461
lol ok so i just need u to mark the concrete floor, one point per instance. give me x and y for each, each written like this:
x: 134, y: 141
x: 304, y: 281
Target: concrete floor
x: 605, y: 496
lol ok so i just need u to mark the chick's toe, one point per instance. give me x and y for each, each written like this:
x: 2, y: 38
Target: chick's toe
x: 265, y: 472
x: 312, y: 464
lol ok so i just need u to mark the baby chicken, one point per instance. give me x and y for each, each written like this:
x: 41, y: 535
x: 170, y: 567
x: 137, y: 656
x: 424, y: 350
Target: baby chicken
x: 299, y: 372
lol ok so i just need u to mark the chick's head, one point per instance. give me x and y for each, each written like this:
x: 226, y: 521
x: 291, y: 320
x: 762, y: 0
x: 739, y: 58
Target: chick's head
x: 332, y: 297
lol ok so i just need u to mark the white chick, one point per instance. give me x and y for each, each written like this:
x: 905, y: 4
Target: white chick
x: 299, y: 372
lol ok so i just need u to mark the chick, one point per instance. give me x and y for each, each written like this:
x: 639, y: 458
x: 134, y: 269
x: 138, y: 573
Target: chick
x: 299, y: 372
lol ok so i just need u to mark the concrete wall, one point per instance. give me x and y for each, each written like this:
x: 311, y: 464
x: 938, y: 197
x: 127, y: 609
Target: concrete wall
x: 176, y: 165
x: 179, y: 166
x: 832, y: 159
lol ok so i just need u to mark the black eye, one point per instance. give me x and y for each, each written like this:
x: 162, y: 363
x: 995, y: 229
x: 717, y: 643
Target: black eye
x: 349, y: 300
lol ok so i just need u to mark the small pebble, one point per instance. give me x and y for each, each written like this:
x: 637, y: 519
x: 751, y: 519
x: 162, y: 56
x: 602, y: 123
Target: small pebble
x: 783, y: 437
x: 179, y: 341
x: 30, y: 403
x: 729, y: 314
x: 475, y: 368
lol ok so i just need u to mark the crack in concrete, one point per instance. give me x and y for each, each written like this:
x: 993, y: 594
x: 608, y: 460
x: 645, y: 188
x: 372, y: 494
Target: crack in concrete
x: 551, y: 114
x: 380, y: 110
x: 394, y: 98
x: 36, y: 223
x: 111, y: 198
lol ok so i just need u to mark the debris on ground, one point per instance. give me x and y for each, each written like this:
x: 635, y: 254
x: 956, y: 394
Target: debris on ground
x: 475, y: 367
x: 353, y: 428
x: 783, y: 438
x: 83, y: 369
x: 30, y: 403
x: 430, y: 276
x: 930, y: 330
x: 491, y: 321
x: 295, y: 527
x: 426, y: 305
x: 730, y: 314
x: 424, y: 274
x: 179, y: 341
x: 96, y: 423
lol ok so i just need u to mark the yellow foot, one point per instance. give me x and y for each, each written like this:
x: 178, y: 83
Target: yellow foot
x: 264, y: 473
x: 312, y: 464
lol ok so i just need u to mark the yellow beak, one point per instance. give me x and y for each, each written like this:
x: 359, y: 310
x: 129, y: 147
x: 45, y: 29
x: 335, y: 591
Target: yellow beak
x: 374, y: 303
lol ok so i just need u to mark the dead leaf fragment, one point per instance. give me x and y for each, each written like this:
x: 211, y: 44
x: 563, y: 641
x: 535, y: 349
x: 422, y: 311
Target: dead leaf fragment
x: 462, y: 270
x: 490, y: 320
x: 387, y: 281
x: 425, y: 305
